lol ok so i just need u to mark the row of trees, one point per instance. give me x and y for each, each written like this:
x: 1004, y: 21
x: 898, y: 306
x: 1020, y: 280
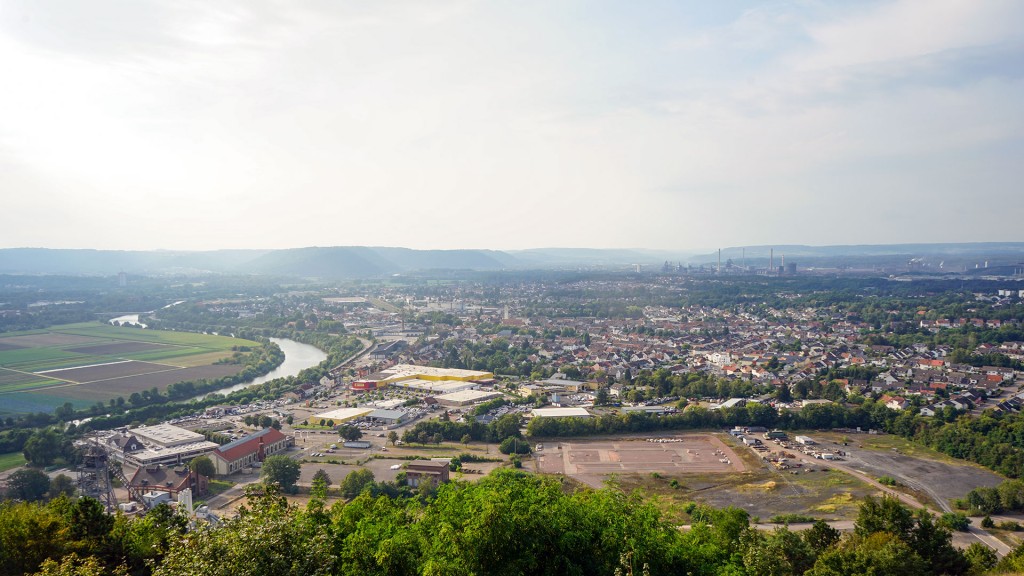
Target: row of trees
x: 446, y: 430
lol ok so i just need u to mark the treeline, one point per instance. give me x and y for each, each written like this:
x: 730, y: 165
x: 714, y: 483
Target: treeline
x: 664, y: 382
x: 508, y: 523
x: 273, y: 312
x: 425, y: 432
x: 1008, y: 496
x: 495, y: 356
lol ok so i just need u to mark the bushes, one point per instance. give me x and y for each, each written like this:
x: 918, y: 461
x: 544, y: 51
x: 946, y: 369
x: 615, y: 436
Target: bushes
x: 955, y: 521
x: 513, y: 444
x: 792, y: 519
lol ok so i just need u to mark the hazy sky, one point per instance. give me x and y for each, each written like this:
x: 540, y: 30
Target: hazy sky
x: 457, y: 124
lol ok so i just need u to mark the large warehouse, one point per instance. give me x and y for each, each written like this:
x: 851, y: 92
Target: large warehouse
x: 341, y: 415
x: 560, y: 413
x: 160, y: 444
x: 465, y: 397
x: 425, y: 379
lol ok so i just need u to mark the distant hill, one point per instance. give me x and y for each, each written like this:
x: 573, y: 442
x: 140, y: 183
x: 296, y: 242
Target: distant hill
x: 106, y: 262
x: 332, y: 262
x: 949, y: 257
x: 345, y: 262
x: 363, y: 261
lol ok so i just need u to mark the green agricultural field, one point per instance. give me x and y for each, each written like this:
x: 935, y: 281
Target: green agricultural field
x: 170, y: 352
x: 61, y: 364
x: 11, y: 460
x: 40, y: 400
x: 29, y: 385
x: 206, y: 341
x: 27, y: 357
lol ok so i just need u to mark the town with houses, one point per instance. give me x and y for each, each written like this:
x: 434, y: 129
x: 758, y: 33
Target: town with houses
x: 496, y: 358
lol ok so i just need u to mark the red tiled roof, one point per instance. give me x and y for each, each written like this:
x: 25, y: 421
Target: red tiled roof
x: 249, y: 446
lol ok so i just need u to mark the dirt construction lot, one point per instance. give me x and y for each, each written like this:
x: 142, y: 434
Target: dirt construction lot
x: 592, y: 461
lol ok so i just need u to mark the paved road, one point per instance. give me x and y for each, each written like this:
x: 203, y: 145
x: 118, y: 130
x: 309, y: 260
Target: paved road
x: 841, y: 525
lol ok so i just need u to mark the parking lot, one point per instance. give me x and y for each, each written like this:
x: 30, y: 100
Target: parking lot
x: 592, y: 461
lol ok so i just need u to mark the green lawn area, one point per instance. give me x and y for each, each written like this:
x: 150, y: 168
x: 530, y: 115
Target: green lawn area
x: 11, y: 460
x: 217, y: 486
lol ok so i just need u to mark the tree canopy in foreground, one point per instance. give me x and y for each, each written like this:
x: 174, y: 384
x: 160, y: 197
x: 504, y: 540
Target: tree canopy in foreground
x: 507, y: 523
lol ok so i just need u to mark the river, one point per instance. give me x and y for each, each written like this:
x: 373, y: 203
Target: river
x: 127, y: 319
x: 297, y: 357
x: 134, y: 318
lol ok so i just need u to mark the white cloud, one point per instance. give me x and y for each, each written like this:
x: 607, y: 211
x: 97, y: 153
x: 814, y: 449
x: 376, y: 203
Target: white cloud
x: 462, y: 124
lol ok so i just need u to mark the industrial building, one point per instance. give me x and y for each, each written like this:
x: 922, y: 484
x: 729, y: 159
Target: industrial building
x: 341, y: 415
x: 560, y: 413
x: 425, y: 379
x: 434, y: 472
x: 170, y: 479
x: 234, y: 456
x: 466, y: 397
x: 160, y: 444
x: 388, y: 349
x: 382, y: 417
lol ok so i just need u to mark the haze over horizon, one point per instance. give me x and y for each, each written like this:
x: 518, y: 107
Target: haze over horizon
x: 458, y: 124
